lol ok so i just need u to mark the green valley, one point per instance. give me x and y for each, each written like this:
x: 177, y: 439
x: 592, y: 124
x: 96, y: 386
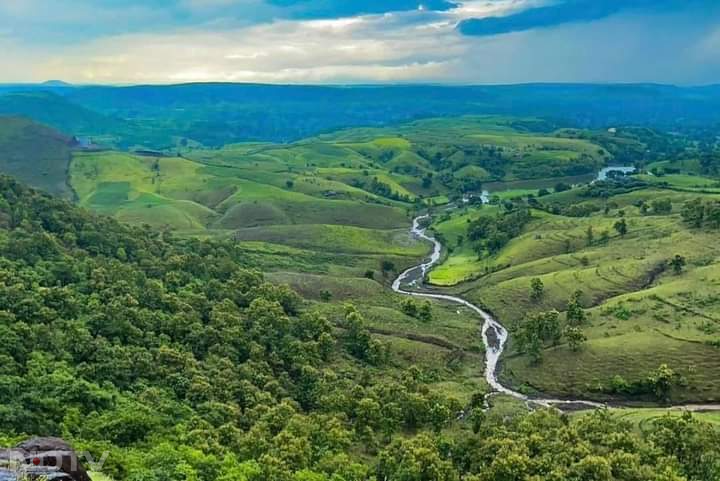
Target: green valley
x: 607, y: 287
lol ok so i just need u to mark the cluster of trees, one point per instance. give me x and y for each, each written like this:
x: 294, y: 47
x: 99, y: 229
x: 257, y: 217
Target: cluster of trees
x: 418, y: 310
x: 383, y: 190
x: 491, y: 233
x: 662, y: 206
x: 702, y: 213
x: 548, y: 446
x: 543, y: 328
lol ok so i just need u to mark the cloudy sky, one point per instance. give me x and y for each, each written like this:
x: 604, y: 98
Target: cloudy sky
x: 360, y: 41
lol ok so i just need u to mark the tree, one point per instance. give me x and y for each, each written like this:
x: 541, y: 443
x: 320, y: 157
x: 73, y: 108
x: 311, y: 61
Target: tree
x: 575, y: 337
x: 575, y: 314
x: 358, y: 340
x: 440, y: 416
x: 562, y: 187
x: 589, y: 236
x: 621, y: 227
x: 415, y: 459
x: 409, y: 307
x: 325, y: 296
x: 536, y: 289
x: 661, y: 382
x: 712, y: 214
x: 425, y: 312
x: 527, y: 340
x: 387, y: 267
x: 661, y: 206
x: 534, y: 331
x: 289, y: 184
x: 693, y: 212
x: 678, y: 263
x: 477, y: 419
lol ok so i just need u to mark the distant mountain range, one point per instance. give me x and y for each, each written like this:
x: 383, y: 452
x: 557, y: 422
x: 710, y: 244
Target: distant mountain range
x: 216, y: 114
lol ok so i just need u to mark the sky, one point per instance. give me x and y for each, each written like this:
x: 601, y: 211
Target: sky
x: 360, y: 41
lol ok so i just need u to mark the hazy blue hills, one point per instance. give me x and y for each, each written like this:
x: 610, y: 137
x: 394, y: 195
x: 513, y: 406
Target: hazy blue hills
x: 215, y: 114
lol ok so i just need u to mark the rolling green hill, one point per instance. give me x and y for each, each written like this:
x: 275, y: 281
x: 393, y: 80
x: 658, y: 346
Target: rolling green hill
x: 640, y: 314
x: 35, y: 154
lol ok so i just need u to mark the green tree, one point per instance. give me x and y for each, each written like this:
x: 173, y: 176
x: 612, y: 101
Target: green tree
x: 425, y: 312
x: 409, y: 307
x: 662, y: 381
x: 678, y: 263
x: 535, y: 331
x: 537, y: 289
x: 621, y: 227
x: 575, y: 338
x: 386, y: 267
x: 440, y: 416
x: 693, y: 212
x: 662, y: 206
x: 589, y: 235
x: 574, y: 313
x: 477, y: 419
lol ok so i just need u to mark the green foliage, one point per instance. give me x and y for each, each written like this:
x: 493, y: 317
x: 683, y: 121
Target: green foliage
x: 575, y: 338
x: 621, y: 227
x: 574, y: 313
x: 662, y: 206
x: 421, y: 311
x: 358, y: 340
x: 678, y: 263
x: 179, y: 360
x: 537, y: 330
x: 702, y: 213
x: 491, y: 234
x: 662, y: 381
x: 536, y: 289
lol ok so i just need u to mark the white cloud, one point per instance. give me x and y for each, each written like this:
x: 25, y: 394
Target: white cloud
x: 372, y: 48
x: 394, y: 47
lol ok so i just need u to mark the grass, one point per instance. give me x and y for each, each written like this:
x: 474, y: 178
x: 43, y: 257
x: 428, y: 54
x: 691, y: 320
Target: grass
x: 684, y: 181
x: 640, y: 314
x: 187, y: 195
x: 643, y: 417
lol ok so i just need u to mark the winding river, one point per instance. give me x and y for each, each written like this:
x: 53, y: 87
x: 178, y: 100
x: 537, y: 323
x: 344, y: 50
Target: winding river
x: 494, y: 334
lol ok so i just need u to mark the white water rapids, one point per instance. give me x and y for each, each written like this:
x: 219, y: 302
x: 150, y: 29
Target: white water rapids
x: 495, y: 345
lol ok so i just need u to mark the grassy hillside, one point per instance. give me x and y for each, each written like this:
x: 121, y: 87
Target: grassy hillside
x: 351, y: 193
x: 35, y: 154
x: 640, y: 314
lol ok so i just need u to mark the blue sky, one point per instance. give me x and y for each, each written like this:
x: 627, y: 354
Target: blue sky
x: 354, y: 41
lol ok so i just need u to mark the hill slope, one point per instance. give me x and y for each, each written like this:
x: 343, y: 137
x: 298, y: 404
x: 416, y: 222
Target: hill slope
x: 35, y: 154
x: 639, y: 313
